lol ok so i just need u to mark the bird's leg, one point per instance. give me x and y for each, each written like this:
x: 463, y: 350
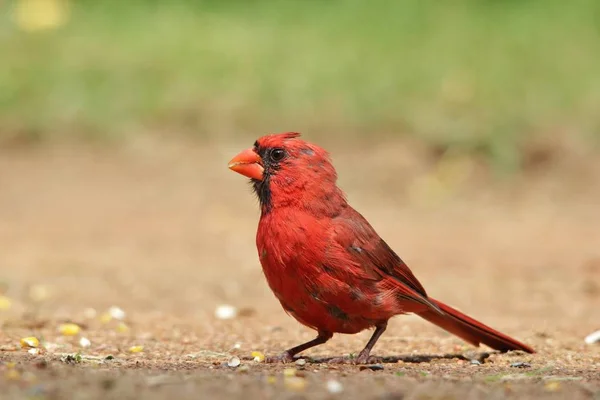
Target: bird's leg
x: 363, y: 357
x: 289, y: 354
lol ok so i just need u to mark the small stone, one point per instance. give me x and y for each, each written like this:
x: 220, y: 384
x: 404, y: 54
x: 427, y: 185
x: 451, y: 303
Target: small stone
x: 301, y: 362
x: 225, y: 311
x: 520, y: 364
x: 334, y: 386
x: 475, y: 362
x: 234, y: 362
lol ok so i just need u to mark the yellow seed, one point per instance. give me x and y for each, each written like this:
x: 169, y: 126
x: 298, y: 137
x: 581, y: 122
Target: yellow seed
x: 12, y: 375
x: 258, y: 356
x: 136, y: 349
x: 552, y: 386
x: 295, y: 383
x: 122, y: 327
x: 69, y: 329
x: 289, y: 372
x: 29, y: 342
x: 5, y: 303
x: 105, y: 318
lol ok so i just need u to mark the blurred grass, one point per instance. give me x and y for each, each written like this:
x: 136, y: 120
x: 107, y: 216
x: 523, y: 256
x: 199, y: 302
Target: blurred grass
x: 477, y: 75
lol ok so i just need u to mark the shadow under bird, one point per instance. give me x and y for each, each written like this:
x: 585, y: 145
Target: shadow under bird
x: 325, y: 263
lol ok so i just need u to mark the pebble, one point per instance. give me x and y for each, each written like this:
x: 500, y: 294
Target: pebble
x: 520, y: 364
x: 475, y: 362
x: 301, y: 362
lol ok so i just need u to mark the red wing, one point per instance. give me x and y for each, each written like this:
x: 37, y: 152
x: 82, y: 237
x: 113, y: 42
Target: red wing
x: 365, y: 250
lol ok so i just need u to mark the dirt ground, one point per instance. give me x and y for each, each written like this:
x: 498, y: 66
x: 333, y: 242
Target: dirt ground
x: 166, y: 233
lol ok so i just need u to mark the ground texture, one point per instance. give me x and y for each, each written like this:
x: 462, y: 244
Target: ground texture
x: 166, y: 233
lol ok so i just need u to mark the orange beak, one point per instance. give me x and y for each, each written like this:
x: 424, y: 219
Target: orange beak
x: 247, y: 163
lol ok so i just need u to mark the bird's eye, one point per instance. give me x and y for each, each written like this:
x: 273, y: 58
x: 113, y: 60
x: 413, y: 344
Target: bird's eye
x: 277, y: 155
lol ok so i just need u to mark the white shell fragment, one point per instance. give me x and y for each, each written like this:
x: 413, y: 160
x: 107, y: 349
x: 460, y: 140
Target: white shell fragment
x: 225, y: 311
x: 85, y: 342
x: 593, y: 338
x: 234, y: 362
x: 117, y: 313
x: 334, y: 386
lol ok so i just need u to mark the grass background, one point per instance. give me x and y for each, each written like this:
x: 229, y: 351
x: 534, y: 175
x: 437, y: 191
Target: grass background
x: 478, y: 76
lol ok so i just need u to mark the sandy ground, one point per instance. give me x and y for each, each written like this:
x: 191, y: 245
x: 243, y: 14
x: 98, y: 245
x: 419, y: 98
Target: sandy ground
x: 166, y: 233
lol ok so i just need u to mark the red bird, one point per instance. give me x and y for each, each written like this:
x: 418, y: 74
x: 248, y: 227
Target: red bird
x: 325, y: 263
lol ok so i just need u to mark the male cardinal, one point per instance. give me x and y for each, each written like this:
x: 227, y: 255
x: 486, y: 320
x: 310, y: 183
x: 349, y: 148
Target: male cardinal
x: 325, y: 263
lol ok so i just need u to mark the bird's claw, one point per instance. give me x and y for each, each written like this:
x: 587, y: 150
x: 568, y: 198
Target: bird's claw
x: 284, y: 358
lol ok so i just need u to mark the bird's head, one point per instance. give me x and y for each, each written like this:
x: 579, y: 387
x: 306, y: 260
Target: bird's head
x: 286, y: 170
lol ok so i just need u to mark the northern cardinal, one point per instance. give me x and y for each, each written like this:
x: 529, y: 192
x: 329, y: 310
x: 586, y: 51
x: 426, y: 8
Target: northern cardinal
x: 325, y: 263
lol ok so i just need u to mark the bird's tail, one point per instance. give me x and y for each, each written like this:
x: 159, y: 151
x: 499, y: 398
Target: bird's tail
x: 471, y: 330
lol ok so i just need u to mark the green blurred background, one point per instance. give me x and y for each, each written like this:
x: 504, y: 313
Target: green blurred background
x: 485, y: 77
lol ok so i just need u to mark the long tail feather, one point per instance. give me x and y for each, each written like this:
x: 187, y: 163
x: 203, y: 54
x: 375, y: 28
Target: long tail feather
x: 471, y: 330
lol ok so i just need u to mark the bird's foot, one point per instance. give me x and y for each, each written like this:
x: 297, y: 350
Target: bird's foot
x: 284, y: 358
x: 367, y: 358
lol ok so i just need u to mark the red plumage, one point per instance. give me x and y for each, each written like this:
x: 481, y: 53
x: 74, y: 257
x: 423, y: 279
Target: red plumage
x: 325, y: 263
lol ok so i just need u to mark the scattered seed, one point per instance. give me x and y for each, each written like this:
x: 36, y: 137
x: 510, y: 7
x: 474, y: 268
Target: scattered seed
x: 122, y: 327
x: 116, y: 313
x: 373, y: 367
x: 288, y: 372
x: 258, y: 356
x: 38, y: 293
x: 520, y: 364
x: 12, y: 375
x: 136, y: 349
x: 295, y: 383
x: 592, y: 338
x: 334, y: 386
x: 85, y: 342
x: 90, y: 313
x: 69, y: 329
x: 5, y: 303
x: 105, y: 318
x: 552, y: 386
x: 225, y: 311
x: 234, y: 362
x: 29, y: 342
